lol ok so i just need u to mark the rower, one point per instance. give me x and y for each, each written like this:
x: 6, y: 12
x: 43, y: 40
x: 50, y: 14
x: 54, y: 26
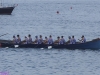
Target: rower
x: 26, y: 40
x: 62, y: 40
x: 73, y: 40
x: 36, y: 40
x: 69, y: 41
x: 18, y: 39
x: 83, y: 40
x: 46, y: 40
x: 29, y: 39
x: 50, y: 40
x: 14, y: 40
x: 57, y: 41
x: 40, y: 41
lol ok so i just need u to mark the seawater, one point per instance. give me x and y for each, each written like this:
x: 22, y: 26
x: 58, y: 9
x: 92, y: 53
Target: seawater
x: 40, y: 18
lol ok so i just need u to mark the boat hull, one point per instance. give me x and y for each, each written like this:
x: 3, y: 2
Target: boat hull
x: 95, y: 44
x: 6, y: 10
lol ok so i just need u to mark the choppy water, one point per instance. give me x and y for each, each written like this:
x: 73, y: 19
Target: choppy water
x: 37, y: 18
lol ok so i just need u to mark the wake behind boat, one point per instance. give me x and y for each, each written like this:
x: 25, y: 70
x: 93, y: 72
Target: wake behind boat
x: 94, y: 44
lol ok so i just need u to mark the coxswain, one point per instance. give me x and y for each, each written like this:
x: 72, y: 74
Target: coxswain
x: 46, y: 40
x: 18, y: 39
x: 62, y: 40
x: 57, y: 41
x: 50, y: 40
x: 29, y: 39
x: 26, y: 40
x: 83, y: 40
x: 40, y: 41
x: 36, y: 40
x: 14, y: 40
x: 73, y: 40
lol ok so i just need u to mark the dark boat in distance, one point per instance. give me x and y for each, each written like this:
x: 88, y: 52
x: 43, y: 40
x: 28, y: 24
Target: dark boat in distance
x: 6, y: 10
x: 94, y: 44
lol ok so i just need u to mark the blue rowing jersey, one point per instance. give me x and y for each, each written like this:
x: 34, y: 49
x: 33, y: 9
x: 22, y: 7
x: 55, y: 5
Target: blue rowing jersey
x: 14, y: 40
x: 26, y: 41
x: 62, y: 41
x: 73, y: 41
x: 36, y: 41
x: 70, y: 41
x: 84, y: 40
x: 18, y: 41
x: 50, y: 41
x: 30, y: 40
x: 40, y: 41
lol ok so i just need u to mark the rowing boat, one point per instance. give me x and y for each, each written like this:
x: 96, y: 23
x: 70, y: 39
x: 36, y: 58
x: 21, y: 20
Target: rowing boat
x: 94, y: 44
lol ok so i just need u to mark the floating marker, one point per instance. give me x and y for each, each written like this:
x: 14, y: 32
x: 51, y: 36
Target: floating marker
x: 57, y: 12
x: 70, y: 7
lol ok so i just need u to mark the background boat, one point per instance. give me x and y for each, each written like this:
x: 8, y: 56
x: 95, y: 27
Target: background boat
x: 6, y: 9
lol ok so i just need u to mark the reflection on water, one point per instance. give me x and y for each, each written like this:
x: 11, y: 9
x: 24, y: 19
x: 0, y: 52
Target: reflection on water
x: 53, y: 61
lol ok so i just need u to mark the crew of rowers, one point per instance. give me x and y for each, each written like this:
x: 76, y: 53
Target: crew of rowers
x: 28, y: 40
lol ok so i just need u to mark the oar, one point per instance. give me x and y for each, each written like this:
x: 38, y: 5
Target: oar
x: 5, y: 41
x: 3, y: 34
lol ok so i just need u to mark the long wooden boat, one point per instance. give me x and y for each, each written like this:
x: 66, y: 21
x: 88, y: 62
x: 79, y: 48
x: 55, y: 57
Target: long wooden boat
x: 94, y: 44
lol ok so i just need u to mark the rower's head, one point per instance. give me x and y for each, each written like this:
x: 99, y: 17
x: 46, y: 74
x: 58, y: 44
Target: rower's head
x: 14, y: 36
x: 36, y: 36
x: 73, y: 36
x: 40, y: 36
x: 69, y: 37
x: 17, y: 35
x: 62, y: 36
x: 29, y: 35
x: 45, y: 37
x: 82, y: 36
x: 58, y: 37
x: 50, y: 36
